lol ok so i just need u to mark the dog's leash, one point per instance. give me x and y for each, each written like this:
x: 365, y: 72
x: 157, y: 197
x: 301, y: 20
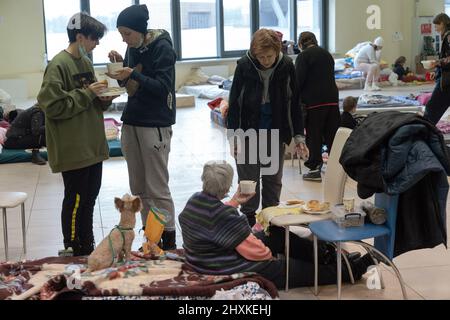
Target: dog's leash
x: 121, y: 230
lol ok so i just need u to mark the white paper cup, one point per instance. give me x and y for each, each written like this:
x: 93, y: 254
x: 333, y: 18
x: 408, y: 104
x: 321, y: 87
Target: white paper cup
x: 247, y: 186
x: 113, y: 67
x: 349, y: 204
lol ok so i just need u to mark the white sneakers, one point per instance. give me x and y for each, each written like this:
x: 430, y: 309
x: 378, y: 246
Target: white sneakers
x: 375, y: 87
x: 372, y: 87
x: 367, y: 87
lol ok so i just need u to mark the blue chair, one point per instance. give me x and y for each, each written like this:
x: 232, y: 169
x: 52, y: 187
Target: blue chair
x: 383, y: 246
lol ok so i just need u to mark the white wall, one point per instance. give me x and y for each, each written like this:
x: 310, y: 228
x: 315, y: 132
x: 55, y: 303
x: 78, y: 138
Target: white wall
x: 429, y: 8
x: 348, y: 24
x: 23, y: 41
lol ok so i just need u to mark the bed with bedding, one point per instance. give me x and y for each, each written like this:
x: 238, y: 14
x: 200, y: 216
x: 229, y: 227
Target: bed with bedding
x: 368, y: 103
x: 204, y: 91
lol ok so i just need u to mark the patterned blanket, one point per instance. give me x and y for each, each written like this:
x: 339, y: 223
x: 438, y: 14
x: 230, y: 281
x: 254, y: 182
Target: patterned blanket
x: 67, y: 278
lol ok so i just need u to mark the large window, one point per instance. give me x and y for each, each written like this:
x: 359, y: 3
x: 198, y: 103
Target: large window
x: 107, y: 11
x: 199, y: 28
x: 309, y: 17
x: 57, y: 14
x: 447, y: 7
x: 237, y: 24
x: 275, y: 14
x: 160, y: 12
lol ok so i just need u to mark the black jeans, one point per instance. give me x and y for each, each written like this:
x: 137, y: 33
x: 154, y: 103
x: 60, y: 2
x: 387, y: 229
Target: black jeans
x: 438, y: 104
x: 321, y: 126
x: 81, y: 188
x: 301, y: 261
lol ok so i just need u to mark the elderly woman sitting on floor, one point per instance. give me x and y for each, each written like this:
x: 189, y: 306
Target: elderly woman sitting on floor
x: 218, y: 240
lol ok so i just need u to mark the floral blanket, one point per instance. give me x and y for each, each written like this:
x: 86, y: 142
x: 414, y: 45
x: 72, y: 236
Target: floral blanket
x: 67, y: 278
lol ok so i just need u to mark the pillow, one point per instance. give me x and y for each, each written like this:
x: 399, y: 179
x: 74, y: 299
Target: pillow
x: 197, y: 77
x: 216, y: 80
x: 5, y: 97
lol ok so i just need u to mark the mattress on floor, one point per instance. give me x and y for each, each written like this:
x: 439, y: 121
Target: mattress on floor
x: 349, y: 84
x: 16, y: 156
x: 141, y: 277
x: 206, y: 91
x: 379, y: 103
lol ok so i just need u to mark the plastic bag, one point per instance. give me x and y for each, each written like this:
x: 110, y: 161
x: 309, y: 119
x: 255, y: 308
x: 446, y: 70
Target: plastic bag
x: 154, y: 227
x: 393, y: 78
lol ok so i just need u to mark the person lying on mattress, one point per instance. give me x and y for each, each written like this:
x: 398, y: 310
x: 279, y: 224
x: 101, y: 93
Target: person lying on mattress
x: 218, y: 240
x: 27, y: 131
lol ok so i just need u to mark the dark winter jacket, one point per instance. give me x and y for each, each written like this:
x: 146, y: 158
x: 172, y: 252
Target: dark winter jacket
x: 403, y: 154
x: 348, y: 121
x: 443, y: 71
x: 28, y: 122
x: 362, y: 153
x: 400, y: 71
x: 314, y: 68
x: 246, y: 97
x: 153, y: 104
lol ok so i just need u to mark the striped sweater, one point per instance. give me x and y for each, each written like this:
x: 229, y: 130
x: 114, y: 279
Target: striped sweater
x: 211, y: 232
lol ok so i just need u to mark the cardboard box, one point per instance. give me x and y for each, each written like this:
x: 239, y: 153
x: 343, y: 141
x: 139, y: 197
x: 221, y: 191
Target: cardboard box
x: 185, y: 100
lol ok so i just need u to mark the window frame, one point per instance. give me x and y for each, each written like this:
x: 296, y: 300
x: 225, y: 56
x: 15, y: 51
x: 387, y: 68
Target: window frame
x: 222, y: 53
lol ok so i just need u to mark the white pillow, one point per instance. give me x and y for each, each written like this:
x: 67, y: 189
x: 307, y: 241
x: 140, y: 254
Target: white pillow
x: 197, y: 77
x: 4, y: 97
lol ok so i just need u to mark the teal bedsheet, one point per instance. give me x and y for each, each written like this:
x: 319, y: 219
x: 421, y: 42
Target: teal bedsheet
x: 15, y: 156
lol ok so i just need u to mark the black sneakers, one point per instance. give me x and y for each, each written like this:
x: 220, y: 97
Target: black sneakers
x: 36, y: 158
x: 313, y: 175
x: 168, y: 239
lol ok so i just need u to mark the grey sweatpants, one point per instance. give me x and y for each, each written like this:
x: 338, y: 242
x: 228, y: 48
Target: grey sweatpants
x: 146, y: 151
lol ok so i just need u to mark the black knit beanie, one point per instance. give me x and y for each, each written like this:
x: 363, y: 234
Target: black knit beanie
x: 134, y: 17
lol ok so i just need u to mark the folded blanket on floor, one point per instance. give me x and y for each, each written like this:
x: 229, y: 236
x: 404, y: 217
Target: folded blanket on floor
x: 65, y: 278
x: 16, y: 156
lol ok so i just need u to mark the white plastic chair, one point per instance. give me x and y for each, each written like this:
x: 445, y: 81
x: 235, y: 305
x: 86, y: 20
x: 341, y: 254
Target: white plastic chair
x: 335, y: 176
x: 11, y: 200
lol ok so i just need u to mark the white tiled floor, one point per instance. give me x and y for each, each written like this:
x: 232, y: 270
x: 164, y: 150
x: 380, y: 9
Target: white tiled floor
x: 196, y: 140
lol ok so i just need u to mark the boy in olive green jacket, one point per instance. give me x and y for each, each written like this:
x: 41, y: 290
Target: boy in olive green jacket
x: 75, y: 133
